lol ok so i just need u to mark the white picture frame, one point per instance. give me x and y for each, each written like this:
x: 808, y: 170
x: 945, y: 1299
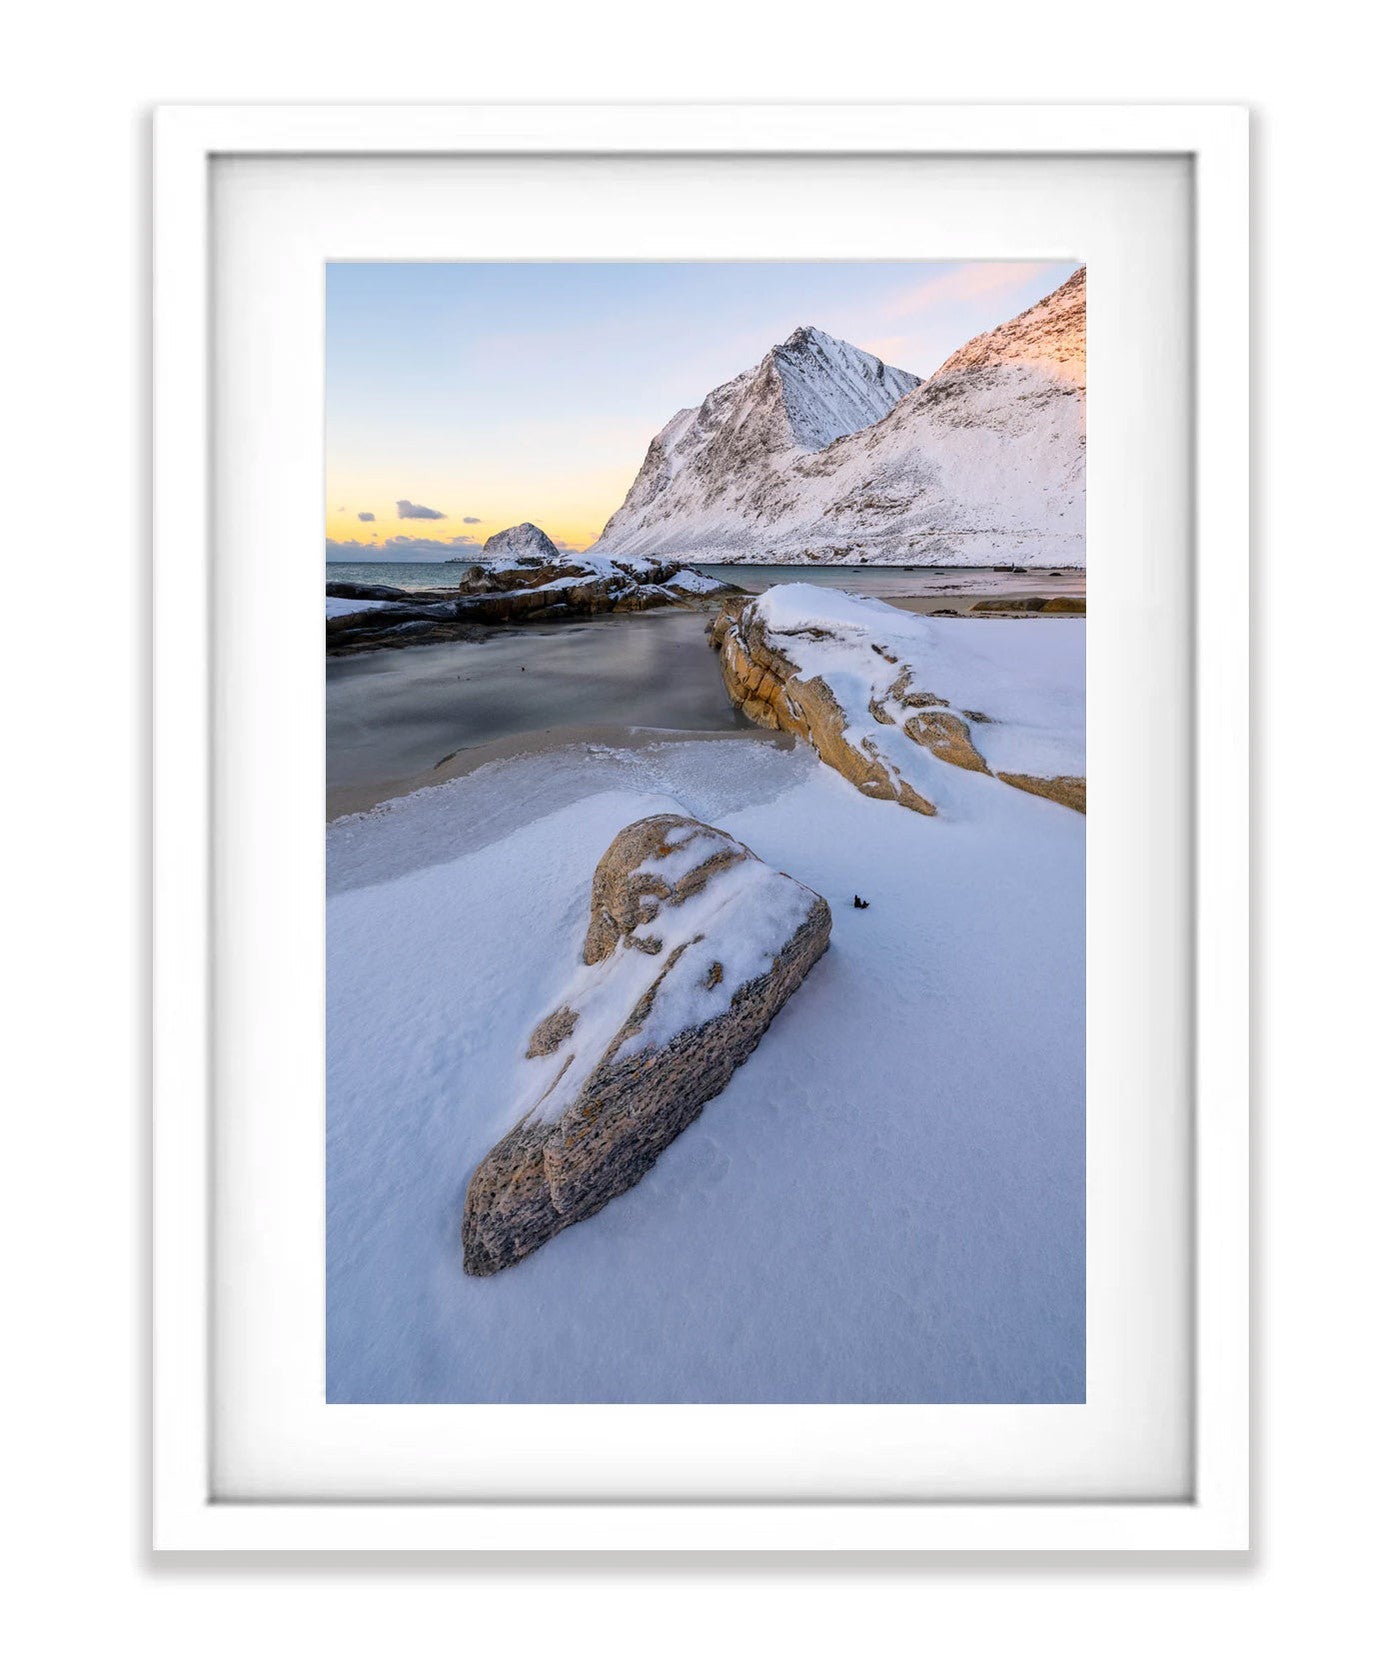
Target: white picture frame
x: 187, y: 1514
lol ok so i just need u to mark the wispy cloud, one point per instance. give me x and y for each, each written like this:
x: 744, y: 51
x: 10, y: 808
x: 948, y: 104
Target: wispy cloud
x: 368, y: 518
x: 964, y: 285
x: 888, y: 349
x: 412, y: 510
x: 469, y: 519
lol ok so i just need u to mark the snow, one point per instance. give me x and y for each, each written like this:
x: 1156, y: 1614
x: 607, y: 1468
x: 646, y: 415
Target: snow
x: 885, y: 1204
x: 696, y: 583
x: 342, y: 608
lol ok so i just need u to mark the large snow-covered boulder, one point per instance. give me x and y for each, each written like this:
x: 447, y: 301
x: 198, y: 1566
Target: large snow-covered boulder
x: 693, y: 945
x: 521, y: 542
x: 822, y: 453
x: 891, y: 700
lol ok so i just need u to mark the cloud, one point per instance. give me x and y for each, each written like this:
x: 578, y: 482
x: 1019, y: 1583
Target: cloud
x: 424, y: 550
x: 467, y: 519
x: 411, y: 510
x: 964, y: 284
x: 368, y: 518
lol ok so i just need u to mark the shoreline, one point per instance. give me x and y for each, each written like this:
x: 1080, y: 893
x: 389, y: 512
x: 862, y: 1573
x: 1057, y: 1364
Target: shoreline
x: 360, y: 798
x: 363, y: 794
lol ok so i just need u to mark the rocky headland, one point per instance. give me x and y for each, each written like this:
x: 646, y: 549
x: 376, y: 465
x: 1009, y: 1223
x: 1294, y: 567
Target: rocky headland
x: 506, y: 588
x: 887, y: 698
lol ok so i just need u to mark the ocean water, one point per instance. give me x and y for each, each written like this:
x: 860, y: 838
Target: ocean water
x: 398, y: 711
x: 885, y: 582
x: 398, y: 573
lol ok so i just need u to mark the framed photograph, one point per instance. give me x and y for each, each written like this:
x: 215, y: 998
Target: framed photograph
x: 654, y: 1046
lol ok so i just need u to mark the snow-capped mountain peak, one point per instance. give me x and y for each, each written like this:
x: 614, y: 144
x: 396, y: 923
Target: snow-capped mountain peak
x: 802, y: 396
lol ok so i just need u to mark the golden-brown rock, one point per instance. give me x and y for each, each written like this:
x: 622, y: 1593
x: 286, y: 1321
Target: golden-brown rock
x: 767, y: 687
x: 1070, y: 790
x: 693, y: 945
x: 884, y: 663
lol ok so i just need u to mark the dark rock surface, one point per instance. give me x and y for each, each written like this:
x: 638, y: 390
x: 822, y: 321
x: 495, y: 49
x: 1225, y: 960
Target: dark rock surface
x: 508, y: 593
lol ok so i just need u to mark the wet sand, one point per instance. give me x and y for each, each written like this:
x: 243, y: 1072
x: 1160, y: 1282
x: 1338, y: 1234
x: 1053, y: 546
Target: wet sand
x: 917, y: 588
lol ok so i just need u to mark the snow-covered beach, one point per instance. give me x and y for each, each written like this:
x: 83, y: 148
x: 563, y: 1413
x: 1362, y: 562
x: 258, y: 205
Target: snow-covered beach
x: 885, y: 1204
x: 705, y: 940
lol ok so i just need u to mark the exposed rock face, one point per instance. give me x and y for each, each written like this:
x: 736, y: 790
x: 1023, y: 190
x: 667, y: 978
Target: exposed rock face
x: 771, y: 690
x: 522, y: 542
x: 982, y: 463
x: 859, y: 681
x: 1070, y: 790
x: 693, y: 945
x: 507, y: 591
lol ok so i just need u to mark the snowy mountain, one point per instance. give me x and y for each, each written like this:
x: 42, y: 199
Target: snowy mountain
x: 822, y: 453
x: 717, y: 470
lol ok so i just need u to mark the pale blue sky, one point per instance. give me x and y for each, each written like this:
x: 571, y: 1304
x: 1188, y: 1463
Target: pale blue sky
x: 496, y: 392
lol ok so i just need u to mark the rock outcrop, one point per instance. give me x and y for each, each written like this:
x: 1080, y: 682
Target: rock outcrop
x: 1024, y: 606
x: 814, y: 456
x: 860, y: 681
x: 521, y: 542
x: 768, y: 687
x: 508, y: 591
x: 693, y: 945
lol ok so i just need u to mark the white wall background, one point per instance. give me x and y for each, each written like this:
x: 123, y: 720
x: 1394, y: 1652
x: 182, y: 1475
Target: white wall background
x: 73, y: 407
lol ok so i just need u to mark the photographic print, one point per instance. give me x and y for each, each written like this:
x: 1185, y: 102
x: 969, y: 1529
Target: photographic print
x: 706, y: 803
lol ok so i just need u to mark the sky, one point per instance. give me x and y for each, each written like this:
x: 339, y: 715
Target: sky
x: 462, y: 398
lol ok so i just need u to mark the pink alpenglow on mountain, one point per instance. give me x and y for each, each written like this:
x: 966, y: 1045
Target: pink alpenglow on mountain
x: 822, y: 454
